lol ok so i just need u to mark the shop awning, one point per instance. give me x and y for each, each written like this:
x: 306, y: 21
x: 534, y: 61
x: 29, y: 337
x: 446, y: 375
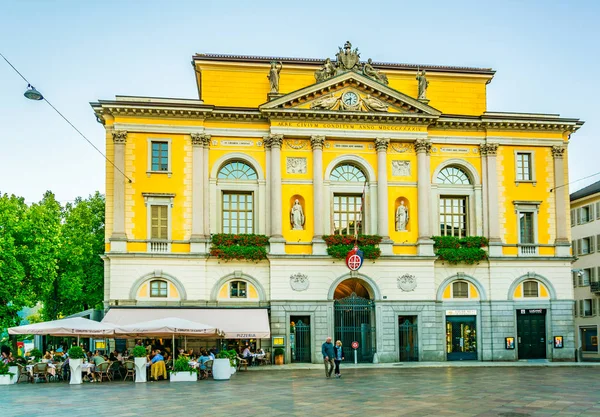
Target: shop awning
x: 236, y: 323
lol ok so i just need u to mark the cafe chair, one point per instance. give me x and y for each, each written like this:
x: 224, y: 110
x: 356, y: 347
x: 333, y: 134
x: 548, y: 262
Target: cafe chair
x: 130, y: 368
x: 40, y: 371
x: 103, y: 371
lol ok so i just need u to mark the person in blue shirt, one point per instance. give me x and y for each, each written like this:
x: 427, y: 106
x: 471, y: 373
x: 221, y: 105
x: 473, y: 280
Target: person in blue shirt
x: 338, y: 357
x: 157, y: 357
x: 204, y: 357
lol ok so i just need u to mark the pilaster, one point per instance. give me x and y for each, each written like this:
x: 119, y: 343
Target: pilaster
x: 118, y: 239
x: 381, y: 145
x: 490, y: 151
x: 425, y: 243
x: 277, y: 241
x: 319, y: 247
x: 198, y: 240
x: 560, y: 189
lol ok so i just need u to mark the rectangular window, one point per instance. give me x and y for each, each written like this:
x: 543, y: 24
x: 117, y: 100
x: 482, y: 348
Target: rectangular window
x: 584, y: 214
x: 159, y: 222
x: 526, y: 233
x: 460, y: 290
x: 237, y: 289
x: 158, y: 289
x: 530, y: 289
x: 453, y: 216
x: 160, y: 156
x: 347, y: 214
x: 584, y: 249
x: 238, y: 213
x: 585, y: 277
x: 524, y: 166
x: 587, y: 307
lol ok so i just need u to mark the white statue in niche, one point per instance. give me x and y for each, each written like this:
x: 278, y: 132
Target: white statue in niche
x: 401, y: 217
x: 297, y: 216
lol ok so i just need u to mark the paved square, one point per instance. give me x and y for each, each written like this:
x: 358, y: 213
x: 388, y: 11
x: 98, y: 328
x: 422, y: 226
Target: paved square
x: 504, y: 392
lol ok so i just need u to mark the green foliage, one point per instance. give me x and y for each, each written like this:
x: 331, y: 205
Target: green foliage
x: 340, y: 251
x: 278, y: 352
x: 4, y: 369
x: 362, y: 240
x: 466, y: 250
x: 242, y: 247
x: 35, y: 353
x: 139, y: 352
x: 249, y: 253
x: 76, y: 352
x: 182, y: 364
x: 223, y: 239
x: 228, y: 354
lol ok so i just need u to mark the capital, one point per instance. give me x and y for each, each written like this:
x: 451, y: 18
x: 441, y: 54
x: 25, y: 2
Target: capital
x: 558, y: 151
x: 275, y: 140
x: 200, y: 139
x: 381, y: 144
x: 488, y: 149
x: 317, y: 142
x: 119, y: 136
x: 423, y: 145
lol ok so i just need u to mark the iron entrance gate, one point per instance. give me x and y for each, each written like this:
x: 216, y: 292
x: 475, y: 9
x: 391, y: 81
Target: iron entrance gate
x: 409, y: 347
x: 302, y: 342
x: 354, y: 316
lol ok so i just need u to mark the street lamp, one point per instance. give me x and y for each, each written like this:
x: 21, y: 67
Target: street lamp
x: 32, y: 93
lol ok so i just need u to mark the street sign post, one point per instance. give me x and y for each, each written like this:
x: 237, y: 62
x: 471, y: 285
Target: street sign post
x: 355, y: 347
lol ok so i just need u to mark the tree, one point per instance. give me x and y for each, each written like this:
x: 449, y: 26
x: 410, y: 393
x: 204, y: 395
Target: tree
x: 15, y: 292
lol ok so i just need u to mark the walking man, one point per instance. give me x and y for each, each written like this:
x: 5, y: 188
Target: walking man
x: 328, y: 356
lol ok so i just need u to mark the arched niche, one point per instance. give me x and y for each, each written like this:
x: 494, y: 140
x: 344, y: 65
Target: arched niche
x: 291, y: 205
x: 546, y: 289
x: 443, y: 288
x: 397, y: 203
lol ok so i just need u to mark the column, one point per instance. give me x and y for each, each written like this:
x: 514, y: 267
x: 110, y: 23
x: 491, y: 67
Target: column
x: 381, y: 145
x: 560, y: 194
x: 277, y: 241
x: 118, y: 239
x: 267, y: 144
x: 490, y: 150
x: 319, y: 247
x: 423, y: 150
x: 198, y: 238
x: 205, y: 186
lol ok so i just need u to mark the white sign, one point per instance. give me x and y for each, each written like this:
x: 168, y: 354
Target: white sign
x: 237, y: 143
x: 461, y: 312
x: 455, y: 150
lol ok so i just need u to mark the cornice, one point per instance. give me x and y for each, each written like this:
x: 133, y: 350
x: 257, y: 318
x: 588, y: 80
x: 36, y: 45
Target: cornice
x: 345, y: 116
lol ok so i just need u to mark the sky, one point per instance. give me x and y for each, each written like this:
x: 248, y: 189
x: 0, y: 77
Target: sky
x: 76, y: 52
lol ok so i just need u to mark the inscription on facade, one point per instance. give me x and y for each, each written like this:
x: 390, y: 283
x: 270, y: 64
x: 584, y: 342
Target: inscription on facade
x: 347, y: 126
x: 401, y: 168
x: 348, y: 146
x: 296, y: 165
x: 237, y: 143
x: 454, y: 150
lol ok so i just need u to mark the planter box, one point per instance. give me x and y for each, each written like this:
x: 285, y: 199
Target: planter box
x: 184, y: 377
x: 279, y: 360
x: 14, y: 370
x: 5, y: 380
x: 233, y: 370
x: 140, y: 369
x: 221, y: 369
x: 75, y: 365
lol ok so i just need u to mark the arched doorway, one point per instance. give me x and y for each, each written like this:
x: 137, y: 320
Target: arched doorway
x: 354, y: 313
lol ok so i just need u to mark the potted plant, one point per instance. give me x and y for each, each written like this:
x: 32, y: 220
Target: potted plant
x: 5, y: 375
x: 279, y: 356
x: 182, y: 372
x: 221, y: 369
x: 36, y: 354
x: 76, y: 355
x: 232, y: 354
x: 140, y: 359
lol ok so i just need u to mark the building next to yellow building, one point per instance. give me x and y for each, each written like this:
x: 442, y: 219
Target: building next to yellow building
x: 304, y: 150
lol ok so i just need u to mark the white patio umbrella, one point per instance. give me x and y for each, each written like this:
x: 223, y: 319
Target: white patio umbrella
x: 76, y: 326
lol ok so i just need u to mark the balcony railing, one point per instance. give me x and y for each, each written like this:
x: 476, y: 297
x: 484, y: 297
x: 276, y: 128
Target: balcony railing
x: 159, y: 246
x: 595, y: 286
x: 528, y: 249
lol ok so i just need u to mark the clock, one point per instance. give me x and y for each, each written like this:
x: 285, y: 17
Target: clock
x: 350, y: 99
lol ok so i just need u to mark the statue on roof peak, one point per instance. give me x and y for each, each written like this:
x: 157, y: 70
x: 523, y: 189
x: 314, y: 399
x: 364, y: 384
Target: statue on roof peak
x: 348, y: 59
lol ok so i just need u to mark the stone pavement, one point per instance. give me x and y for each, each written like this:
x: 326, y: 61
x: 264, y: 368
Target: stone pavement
x: 374, y: 392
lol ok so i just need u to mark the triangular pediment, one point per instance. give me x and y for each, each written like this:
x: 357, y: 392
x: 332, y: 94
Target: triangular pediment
x: 349, y: 93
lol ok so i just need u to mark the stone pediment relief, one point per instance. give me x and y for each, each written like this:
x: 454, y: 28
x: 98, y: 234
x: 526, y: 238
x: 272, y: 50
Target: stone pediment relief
x: 349, y: 91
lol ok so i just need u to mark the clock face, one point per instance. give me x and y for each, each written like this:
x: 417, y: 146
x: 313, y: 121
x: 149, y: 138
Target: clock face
x: 350, y: 99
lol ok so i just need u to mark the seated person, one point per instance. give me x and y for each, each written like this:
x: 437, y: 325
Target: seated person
x: 204, y: 357
x: 260, y: 353
x: 248, y: 355
x: 97, y: 359
x: 157, y: 364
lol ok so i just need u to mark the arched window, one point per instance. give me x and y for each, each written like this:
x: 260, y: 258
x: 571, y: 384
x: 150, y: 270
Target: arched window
x: 453, y: 175
x: 238, y: 289
x: 237, y: 170
x: 348, y: 173
x: 158, y: 288
x: 460, y: 289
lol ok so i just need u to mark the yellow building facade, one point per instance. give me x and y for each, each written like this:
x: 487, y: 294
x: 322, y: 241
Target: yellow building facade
x: 301, y: 149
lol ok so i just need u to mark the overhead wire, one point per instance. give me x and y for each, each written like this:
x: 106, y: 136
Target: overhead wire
x: 67, y: 120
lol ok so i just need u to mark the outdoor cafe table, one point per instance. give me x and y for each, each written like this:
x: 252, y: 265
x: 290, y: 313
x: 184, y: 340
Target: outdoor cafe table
x: 51, y: 369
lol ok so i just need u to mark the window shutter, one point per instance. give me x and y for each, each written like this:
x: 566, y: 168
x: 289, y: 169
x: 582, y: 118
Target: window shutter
x: 591, y: 212
x: 581, y: 309
x: 592, y: 240
x: 575, y: 309
x: 579, y: 246
x: 597, y: 210
x: 572, y: 218
x: 580, y: 279
x: 574, y: 277
x: 574, y: 247
x: 592, y: 276
x: 593, y: 306
x: 578, y: 215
